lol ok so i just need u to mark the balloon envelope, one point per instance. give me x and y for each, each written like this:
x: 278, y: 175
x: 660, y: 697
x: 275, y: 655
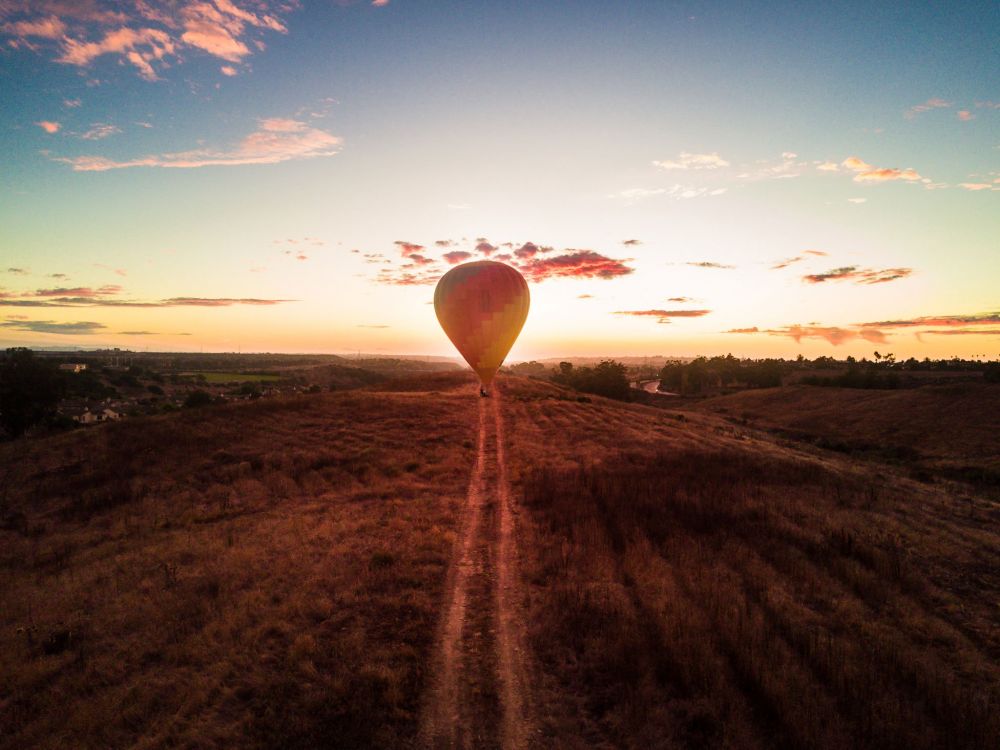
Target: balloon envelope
x: 482, y: 307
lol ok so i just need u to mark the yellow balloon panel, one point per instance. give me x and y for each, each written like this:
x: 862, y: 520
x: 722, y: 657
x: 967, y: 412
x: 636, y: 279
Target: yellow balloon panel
x: 482, y: 307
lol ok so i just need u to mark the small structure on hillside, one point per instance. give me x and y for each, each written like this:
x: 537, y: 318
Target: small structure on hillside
x: 73, y: 367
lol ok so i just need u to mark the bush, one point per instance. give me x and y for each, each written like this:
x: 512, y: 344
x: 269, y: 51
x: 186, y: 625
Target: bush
x: 197, y: 398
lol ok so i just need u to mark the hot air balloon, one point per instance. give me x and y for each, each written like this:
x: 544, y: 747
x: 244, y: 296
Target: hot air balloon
x: 481, y: 307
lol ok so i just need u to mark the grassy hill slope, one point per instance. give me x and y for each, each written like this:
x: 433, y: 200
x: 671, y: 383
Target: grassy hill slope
x: 950, y: 429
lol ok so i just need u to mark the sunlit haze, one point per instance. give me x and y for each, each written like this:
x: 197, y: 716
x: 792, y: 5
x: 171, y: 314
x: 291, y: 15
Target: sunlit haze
x: 671, y: 178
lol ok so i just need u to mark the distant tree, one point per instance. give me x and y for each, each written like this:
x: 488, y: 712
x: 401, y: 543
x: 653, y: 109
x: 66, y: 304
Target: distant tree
x: 197, y: 398
x: 528, y: 368
x: 608, y: 379
x: 30, y: 389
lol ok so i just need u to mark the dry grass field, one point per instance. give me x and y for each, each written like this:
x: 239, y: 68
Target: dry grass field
x: 945, y: 430
x: 692, y: 585
x: 275, y: 573
x: 260, y: 575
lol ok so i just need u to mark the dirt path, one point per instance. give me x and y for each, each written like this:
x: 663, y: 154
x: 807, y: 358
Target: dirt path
x: 477, y: 697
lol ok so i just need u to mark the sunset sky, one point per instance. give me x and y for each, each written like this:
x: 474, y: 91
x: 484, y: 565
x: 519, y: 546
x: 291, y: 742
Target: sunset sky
x: 672, y: 178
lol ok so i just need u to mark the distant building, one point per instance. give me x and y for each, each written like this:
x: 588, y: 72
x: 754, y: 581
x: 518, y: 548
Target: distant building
x: 74, y: 367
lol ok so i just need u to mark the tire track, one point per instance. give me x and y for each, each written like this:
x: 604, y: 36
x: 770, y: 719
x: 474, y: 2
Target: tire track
x: 477, y: 695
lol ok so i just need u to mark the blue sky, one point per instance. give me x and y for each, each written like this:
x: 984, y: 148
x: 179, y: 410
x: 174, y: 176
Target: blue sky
x: 225, y: 173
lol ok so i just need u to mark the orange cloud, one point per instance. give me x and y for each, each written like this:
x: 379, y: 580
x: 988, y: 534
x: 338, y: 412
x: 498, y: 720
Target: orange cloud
x: 49, y: 126
x: 867, y: 173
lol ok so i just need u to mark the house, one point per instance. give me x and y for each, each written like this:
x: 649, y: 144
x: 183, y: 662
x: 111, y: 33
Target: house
x: 73, y: 367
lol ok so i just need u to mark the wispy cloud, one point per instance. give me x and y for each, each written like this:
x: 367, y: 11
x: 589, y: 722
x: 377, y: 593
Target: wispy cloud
x: 939, y: 321
x: 974, y: 186
x: 49, y: 126
x: 80, y: 291
x: 964, y: 332
x: 709, y: 264
x: 407, y: 248
x: 664, y: 316
x: 934, y: 103
x: 147, y: 36
x: 631, y: 243
x: 34, y: 300
x: 859, y: 275
x: 636, y: 194
x: 805, y: 255
x: 82, y: 327
x: 275, y: 140
x: 687, y: 160
x: 99, y: 131
x: 831, y: 334
x: 18, y: 271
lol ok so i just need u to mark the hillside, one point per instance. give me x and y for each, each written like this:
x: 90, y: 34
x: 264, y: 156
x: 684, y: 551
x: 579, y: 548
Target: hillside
x: 949, y: 430
x: 408, y: 565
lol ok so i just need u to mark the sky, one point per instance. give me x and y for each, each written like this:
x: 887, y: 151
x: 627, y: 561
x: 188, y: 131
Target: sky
x: 672, y: 178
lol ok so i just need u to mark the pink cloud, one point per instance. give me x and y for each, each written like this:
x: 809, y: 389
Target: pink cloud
x: 484, y: 247
x: 49, y: 127
x: 965, y: 115
x: 583, y: 264
x: 408, y: 248
x: 976, y: 185
x: 456, y: 256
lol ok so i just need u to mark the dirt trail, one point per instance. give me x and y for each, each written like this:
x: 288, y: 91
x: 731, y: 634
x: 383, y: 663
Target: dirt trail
x: 478, y: 694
